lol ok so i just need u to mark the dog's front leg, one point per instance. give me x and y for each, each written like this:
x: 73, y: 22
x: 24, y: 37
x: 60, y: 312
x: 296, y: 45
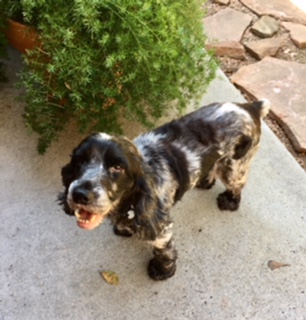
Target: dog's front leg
x: 163, y: 265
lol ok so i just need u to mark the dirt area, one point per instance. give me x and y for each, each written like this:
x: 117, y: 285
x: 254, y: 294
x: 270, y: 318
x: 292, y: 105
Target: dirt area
x: 288, y: 51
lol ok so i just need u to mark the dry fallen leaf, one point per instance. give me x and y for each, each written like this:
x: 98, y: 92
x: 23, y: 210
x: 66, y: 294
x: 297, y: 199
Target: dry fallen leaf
x: 110, y: 277
x: 275, y: 265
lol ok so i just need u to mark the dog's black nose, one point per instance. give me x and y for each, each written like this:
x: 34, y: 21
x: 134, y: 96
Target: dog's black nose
x: 81, y: 195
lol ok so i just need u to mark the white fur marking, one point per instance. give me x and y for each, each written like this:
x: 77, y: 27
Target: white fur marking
x: 131, y: 214
x: 148, y: 138
x: 104, y: 136
x: 193, y: 162
x: 230, y: 107
x: 266, y: 105
x: 163, y: 238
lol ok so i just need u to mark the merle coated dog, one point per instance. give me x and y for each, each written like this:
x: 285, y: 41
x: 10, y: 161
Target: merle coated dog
x: 136, y: 183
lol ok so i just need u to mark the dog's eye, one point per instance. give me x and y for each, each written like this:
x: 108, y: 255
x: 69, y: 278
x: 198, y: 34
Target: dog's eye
x: 116, y: 169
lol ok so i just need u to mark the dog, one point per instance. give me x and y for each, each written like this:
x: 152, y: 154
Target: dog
x: 136, y: 183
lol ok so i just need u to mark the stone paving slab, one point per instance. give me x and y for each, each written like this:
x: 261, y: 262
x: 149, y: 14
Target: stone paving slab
x: 297, y: 33
x: 231, y: 49
x: 288, y: 10
x: 283, y: 83
x: 265, y: 27
x: 263, y: 48
x: 225, y: 37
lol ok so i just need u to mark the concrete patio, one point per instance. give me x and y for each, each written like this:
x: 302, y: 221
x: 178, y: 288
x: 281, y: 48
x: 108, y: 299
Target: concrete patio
x: 50, y: 268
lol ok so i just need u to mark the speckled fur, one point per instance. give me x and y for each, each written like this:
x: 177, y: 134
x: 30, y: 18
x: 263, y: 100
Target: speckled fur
x: 215, y: 142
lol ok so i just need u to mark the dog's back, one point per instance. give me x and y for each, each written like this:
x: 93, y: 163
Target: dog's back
x: 215, y: 141
x: 217, y: 121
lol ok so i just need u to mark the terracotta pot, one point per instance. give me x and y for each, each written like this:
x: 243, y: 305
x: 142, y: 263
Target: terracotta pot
x: 22, y: 37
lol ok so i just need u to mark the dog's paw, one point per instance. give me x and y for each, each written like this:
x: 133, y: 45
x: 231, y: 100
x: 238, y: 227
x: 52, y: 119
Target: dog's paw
x: 205, y: 184
x: 158, y: 271
x: 227, y: 201
x: 123, y: 232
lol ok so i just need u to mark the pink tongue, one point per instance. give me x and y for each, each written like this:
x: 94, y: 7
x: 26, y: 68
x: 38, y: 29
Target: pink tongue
x: 85, y: 215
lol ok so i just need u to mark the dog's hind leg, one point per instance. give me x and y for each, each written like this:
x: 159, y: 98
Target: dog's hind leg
x: 163, y: 265
x: 206, y: 182
x: 229, y: 200
x: 233, y: 172
x: 208, y: 170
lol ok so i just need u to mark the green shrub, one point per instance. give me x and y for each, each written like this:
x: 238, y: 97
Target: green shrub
x: 102, y: 60
x: 23, y: 11
x: 3, y: 45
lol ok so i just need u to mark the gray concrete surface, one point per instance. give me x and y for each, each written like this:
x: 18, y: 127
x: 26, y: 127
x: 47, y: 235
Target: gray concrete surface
x: 49, y: 267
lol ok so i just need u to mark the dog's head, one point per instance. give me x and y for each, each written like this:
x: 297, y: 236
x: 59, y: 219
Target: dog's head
x: 103, y: 170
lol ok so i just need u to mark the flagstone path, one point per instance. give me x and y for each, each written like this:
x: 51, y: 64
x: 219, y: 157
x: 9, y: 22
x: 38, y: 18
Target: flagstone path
x: 245, y: 35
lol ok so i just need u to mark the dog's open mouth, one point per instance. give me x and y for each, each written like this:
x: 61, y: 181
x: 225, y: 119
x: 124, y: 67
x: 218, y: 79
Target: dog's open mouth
x: 88, y: 220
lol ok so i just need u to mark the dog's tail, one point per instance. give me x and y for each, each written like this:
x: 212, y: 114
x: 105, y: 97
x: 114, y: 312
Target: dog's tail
x: 263, y: 106
x: 258, y: 109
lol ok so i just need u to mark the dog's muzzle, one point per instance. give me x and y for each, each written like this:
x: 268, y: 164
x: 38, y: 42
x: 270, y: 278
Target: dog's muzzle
x: 87, y: 220
x: 84, y: 202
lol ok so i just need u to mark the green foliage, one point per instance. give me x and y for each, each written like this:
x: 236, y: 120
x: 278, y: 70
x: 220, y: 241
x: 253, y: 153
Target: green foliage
x: 102, y: 60
x: 3, y: 44
x: 24, y: 11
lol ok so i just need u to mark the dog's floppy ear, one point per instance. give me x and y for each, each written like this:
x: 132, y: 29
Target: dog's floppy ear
x: 62, y: 199
x: 67, y: 175
x: 67, y: 178
x: 149, y: 214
